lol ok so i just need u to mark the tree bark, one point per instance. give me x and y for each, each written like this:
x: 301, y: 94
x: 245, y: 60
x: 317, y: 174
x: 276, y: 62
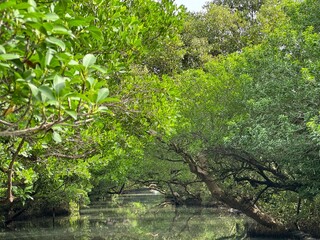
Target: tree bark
x: 10, y: 171
x: 251, y: 211
x: 197, y: 165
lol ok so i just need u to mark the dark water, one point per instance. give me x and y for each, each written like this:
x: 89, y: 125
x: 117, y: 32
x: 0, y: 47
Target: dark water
x: 133, y: 217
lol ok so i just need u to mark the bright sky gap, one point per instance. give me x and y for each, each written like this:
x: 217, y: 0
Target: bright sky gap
x: 192, y: 5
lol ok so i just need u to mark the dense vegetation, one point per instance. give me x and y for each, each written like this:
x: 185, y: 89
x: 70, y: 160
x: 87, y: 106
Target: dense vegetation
x: 222, y: 104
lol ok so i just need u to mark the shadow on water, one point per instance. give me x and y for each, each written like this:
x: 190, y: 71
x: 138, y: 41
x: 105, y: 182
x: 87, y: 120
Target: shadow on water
x: 133, y: 217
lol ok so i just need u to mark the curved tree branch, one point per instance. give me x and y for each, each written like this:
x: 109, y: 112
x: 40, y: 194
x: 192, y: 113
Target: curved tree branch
x: 33, y: 130
x: 245, y: 157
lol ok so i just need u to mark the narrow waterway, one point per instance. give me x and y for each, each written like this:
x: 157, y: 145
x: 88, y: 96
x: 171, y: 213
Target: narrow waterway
x: 132, y: 217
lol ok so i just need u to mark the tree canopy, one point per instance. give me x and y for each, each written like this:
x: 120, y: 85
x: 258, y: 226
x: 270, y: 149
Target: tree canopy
x: 222, y: 104
x: 67, y: 93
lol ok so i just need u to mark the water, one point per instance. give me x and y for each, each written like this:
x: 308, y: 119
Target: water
x: 132, y: 217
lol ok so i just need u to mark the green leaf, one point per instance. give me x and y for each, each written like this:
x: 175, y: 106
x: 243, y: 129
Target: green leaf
x: 7, y: 5
x: 46, y: 93
x: 2, y: 49
x: 51, y: 17
x: 22, y: 6
x: 88, y: 60
x: 56, y: 137
x: 48, y: 26
x: 90, y: 81
x: 49, y: 56
x: 60, y: 30
x: 95, y: 33
x: 103, y: 109
x: 115, y: 29
x: 73, y: 62
x: 9, y: 56
x: 100, y: 69
x: 5, y: 65
x: 34, y: 89
x: 78, y: 96
x: 33, y: 15
x: 72, y: 114
x: 59, y: 83
x: 57, y: 128
x: 102, y: 94
x: 34, y: 25
x: 32, y: 3
x: 78, y: 22
x: 57, y: 42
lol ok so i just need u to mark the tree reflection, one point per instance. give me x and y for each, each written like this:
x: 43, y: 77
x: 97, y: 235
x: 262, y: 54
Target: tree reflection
x: 134, y: 218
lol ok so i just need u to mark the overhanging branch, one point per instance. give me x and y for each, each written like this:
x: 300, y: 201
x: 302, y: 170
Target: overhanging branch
x: 43, y: 127
x: 78, y: 156
x: 27, y: 131
x: 245, y: 157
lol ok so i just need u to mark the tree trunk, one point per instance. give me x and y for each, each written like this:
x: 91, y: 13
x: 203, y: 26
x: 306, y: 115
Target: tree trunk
x: 251, y: 211
x: 199, y: 167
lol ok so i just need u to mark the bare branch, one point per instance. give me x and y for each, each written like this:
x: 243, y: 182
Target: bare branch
x: 247, y: 158
x: 259, y: 195
x: 10, y: 196
x: 169, y: 159
x: 30, y: 131
x: 60, y: 155
x: 7, y: 123
x: 293, y: 186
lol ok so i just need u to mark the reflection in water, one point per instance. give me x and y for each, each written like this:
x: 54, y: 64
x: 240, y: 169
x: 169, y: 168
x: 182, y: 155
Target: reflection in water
x: 132, y: 217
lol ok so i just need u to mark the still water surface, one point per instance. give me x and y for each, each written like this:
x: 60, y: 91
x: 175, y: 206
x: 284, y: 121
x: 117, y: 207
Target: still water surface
x: 133, y: 217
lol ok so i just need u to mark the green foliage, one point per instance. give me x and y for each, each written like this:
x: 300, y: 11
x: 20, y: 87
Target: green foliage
x: 147, y: 107
x: 304, y: 13
x: 282, y: 102
x: 261, y: 102
x: 281, y: 109
x: 162, y: 21
x: 210, y: 97
x: 83, y: 98
x: 247, y: 9
x: 217, y: 30
x: 65, y: 112
x: 44, y: 86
